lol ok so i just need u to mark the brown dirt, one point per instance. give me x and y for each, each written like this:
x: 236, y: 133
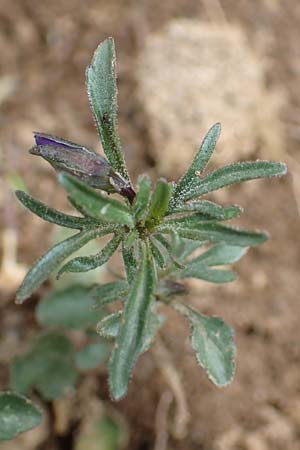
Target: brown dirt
x: 44, y: 48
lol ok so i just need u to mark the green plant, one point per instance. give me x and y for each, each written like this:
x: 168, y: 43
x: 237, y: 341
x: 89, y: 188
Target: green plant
x: 158, y: 230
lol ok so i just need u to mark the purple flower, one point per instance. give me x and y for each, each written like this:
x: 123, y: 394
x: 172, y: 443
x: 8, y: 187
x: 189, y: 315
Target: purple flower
x: 81, y: 162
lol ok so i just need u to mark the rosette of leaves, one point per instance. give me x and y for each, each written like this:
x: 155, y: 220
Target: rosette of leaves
x: 156, y: 227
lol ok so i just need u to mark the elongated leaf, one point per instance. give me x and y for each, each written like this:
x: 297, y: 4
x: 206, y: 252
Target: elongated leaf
x: 158, y: 255
x: 154, y: 322
x: 41, y: 270
x: 105, y: 294
x: 93, y: 354
x: 76, y: 205
x: 141, y: 201
x: 131, y: 237
x: 214, y: 232
x: 220, y: 255
x: 95, y: 204
x: 185, y: 247
x: 159, y: 202
x: 202, y: 272
x: 109, y: 326
x: 130, y: 262
x: 169, y: 249
x: 132, y: 331
x: 102, y: 93
x: 233, y: 174
x: 199, y: 163
x: 17, y: 414
x: 212, y: 341
x: 51, y: 214
x: 69, y: 308
x: 208, y: 209
x: 85, y: 263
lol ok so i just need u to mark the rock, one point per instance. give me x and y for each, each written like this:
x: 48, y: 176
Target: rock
x: 192, y: 74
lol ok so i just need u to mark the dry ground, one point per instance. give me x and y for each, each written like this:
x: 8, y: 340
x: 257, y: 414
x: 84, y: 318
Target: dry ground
x: 44, y: 48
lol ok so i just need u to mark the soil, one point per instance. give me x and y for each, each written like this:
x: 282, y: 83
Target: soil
x: 45, y: 47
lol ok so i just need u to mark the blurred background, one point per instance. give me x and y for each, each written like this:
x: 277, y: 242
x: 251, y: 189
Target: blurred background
x: 182, y: 65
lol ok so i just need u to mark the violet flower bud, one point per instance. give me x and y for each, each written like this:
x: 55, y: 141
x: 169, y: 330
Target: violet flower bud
x: 81, y: 162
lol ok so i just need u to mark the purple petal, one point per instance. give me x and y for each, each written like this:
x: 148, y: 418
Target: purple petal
x: 47, y: 139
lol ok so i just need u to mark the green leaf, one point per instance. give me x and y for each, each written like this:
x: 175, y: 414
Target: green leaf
x: 132, y: 330
x: 69, y: 308
x: 109, y: 326
x: 41, y: 270
x: 185, y: 247
x: 214, y: 232
x: 102, y: 93
x: 52, y: 215
x: 159, y: 202
x: 233, y: 174
x: 208, y: 209
x: 17, y: 414
x: 86, y: 263
x: 75, y: 205
x: 212, y: 341
x: 95, y: 204
x: 158, y: 255
x: 131, y: 238
x: 199, y: 163
x: 168, y: 247
x: 220, y: 255
x: 93, y: 354
x: 204, y: 273
x: 130, y: 262
x: 104, y: 294
x: 154, y: 322
x: 141, y: 201
x: 48, y: 367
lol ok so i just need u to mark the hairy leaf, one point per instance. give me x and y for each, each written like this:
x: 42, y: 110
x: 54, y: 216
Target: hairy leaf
x: 130, y: 262
x: 85, y: 263
x: 233, y: 174
x: 219, y: 255
x: 109, y: 326
x: 185, y: 247
x: 52, y: 215
x: 102, y: 93
x: 157, y: 253
x: 141, y: 201
x: 204, y: 273
x: 95, y: 204
x: 53, y: 258
x: 17, y: 414
x: 168, y: 247
x: 208, y: 209
x: 199, y: 163
x: 104, y: 294
x: 215, y: 232
x: 159, y: 202
x: 132, y: 331
x: 131, y: 237
x: 212, y: 341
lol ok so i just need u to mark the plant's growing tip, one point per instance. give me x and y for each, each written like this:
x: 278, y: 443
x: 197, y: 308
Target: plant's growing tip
x: 157, y: 229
